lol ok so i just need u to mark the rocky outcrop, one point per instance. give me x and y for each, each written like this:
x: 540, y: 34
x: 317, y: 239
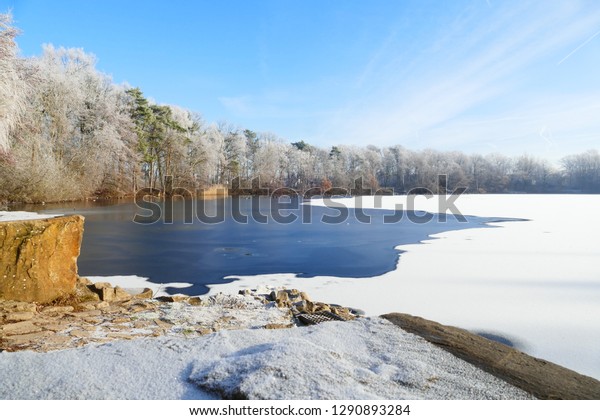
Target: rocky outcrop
x: 38, y: 258
x: 99, y: 313
x: 304, y: 310
x: 543, y: 379
x: 83, y: 318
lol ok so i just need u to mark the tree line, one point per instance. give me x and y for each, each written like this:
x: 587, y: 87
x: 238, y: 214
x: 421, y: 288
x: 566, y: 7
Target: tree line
x: 68, y: 132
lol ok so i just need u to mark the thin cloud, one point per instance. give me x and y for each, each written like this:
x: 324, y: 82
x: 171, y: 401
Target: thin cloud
x: 481, y: 66
x: 578, y: 48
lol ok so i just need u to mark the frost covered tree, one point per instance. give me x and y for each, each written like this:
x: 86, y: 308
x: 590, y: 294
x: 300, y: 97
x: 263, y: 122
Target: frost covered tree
x: 67, y: 131
x: 12, y: 84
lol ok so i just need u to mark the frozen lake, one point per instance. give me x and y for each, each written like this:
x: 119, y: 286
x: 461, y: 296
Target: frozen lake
x: 534, y: 283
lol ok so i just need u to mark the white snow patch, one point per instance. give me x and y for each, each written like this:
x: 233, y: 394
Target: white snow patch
x: 11, y: 216
x: 369, y: 358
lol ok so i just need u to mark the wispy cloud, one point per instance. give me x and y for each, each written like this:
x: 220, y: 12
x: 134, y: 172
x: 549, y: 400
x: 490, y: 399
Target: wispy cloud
x: 478, y: 66
x: 584, y: 43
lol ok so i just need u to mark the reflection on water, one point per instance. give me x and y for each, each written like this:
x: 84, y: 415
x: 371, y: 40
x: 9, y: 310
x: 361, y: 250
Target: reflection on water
x: 201, y: 253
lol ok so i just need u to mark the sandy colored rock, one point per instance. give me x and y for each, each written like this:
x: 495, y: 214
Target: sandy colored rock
x: 121, y: 294
x: 102, y: 305
x: 174, y: 298
x: 147, y: 293
x: 19, y: 328
x: 13, y: 306
x: 195, y: 301
x: 18, y: 316
x: 38, y: 258
x: 85, y: 314
x: 54, y: 326
x: 57, y: 309
x: 18, y: 340
x: 107, y: 294
x: 121, y: 320
x: 57, y: 340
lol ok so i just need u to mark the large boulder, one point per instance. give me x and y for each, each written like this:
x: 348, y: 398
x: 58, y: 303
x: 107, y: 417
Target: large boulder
x: 38, y: 258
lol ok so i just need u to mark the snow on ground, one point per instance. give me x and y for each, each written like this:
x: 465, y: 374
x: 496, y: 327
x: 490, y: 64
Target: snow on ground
x: 11, y: 216
x: 365, y: 359
x: 535, y: 282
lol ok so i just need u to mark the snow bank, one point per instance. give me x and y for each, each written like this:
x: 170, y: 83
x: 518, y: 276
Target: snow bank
x: 363, y: 359
x: 10, y: 216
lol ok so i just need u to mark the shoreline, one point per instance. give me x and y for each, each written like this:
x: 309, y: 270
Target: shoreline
x: 376, y: 359
x: 136, y: 319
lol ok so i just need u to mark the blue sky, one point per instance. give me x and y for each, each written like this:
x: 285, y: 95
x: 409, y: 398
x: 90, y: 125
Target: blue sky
x: 478, y: 76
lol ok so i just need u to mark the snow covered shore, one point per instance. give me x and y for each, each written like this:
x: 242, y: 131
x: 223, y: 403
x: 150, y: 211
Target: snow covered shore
x: 11, y: 216
x: 362, y: 359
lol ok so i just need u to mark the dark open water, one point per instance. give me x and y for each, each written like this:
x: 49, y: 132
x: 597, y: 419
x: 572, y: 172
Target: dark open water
x: 202, y: 253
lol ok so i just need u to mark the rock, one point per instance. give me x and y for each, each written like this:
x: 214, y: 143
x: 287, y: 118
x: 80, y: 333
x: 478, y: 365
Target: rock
x: 120, y: 336
x: 54, y: 325
x: 147, y: 293
x: 343, y: 312
x: 57, y: 340
x: 39, y: 258
x: 321, y: 307
x: 80, y: 334
x: 278, y: 326
x: 19, y: 340
x: 85, y: 314
x: 19, y: 328
x: 18, y: 316
x: 87, y: 306
x: 195, y: 301
x: 162, y: 324
x: 85, y: 292
x: 102, y: 305
x: 12, y: 306
x: 57, y: 309
x: 107, y: 294
x: 140, y: 325
x: 282, y: 299
x: 84, y: 281
x: 174, y: 298
x: 121, y: 294
x: 121, y: 320
x: 543, y: 379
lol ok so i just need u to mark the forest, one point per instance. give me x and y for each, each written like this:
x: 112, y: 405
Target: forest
x: 68, y: 132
